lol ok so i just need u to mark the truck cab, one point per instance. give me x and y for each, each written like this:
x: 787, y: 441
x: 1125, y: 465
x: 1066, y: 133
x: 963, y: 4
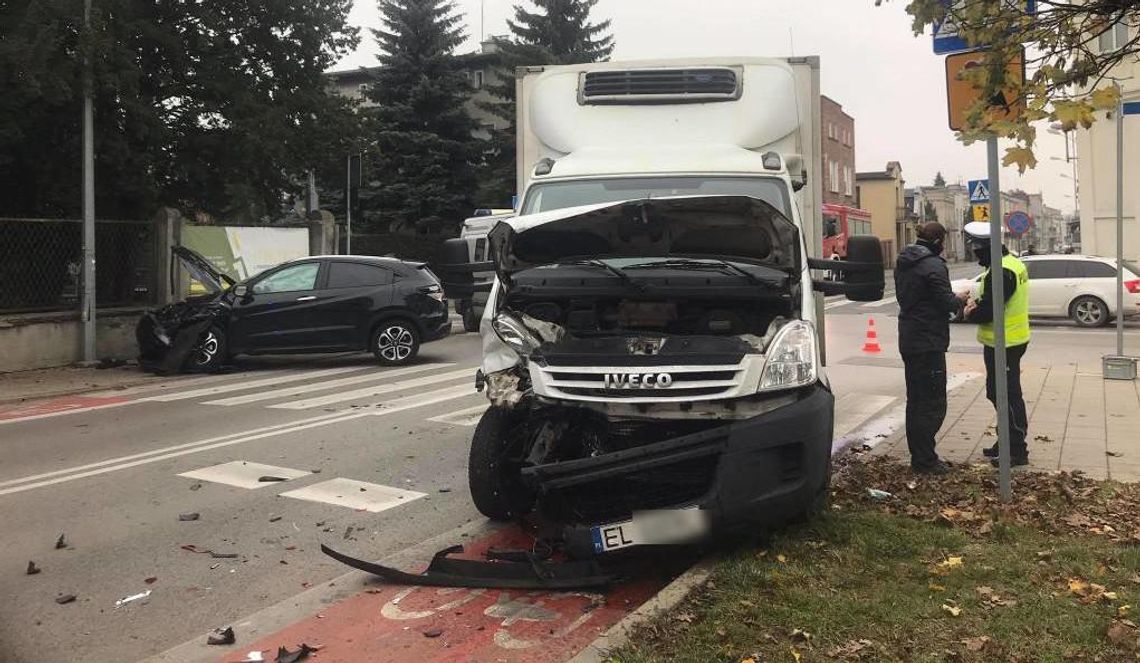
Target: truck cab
x: 651, y: 339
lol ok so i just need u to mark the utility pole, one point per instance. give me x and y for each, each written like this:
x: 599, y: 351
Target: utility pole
x: 348, y: 206
x: 997, y: 282
x: 1120, y: 222
x: 87, y: 314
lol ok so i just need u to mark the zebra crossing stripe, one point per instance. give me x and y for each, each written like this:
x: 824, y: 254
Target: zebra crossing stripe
x: 376, y: 390
x: 324, y: 386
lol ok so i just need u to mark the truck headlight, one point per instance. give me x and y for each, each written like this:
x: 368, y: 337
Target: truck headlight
x: 514, y: 333
x: 791, y: 358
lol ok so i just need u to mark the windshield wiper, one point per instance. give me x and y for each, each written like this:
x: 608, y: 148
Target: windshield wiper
x: 625, y: 278
x: 682, y: 263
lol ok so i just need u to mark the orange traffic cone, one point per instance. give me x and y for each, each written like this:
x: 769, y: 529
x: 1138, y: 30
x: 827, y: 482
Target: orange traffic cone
x: 871, y: 346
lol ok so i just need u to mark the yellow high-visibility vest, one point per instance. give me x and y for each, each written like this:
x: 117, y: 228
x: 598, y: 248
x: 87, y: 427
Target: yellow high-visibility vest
x: 1016, y: 308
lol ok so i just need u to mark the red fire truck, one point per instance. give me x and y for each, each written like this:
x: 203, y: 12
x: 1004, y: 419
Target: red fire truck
x: 839, y: 223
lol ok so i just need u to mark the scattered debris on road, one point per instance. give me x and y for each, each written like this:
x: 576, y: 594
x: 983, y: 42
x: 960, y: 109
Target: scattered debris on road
x: 132, y: 598
x: 877, y: 494
x: 65, y: 598
x: 218, y: 555
x: 32, y: 568
x: 151, y: 580
x: 190, y: 547
x: 445, y: 489
x: 222, y: 636
x: 433, y: 633
x: 196, y: 486
x: 188, y: 517
x: 270, y: 478
x: 253, y: 657
x: 274, y: 519
x: 61, y: 542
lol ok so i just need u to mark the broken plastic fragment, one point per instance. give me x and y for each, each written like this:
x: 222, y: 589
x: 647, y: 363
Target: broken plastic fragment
x: 222, y: 636
x: 133, y: 597
x: 269, y: 478
x: 61, y: 542
x: 253, y: 657
x: 218, y: 555
x: 187, y: 517
x: 433, y: 633
x: 32, y: 568
x: 877, y: 494
x: 286, y: 656
x: 65, y: 598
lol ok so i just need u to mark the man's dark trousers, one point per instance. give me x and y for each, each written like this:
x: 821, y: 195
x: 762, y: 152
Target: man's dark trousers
x: 925, y: 405
x: 1018, y: 419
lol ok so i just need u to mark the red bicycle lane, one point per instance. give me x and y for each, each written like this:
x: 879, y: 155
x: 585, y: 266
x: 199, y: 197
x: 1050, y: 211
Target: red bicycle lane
x: 427, y: 624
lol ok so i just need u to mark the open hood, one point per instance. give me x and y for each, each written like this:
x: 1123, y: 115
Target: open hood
x: 201, y: 269
x: 734, y: 228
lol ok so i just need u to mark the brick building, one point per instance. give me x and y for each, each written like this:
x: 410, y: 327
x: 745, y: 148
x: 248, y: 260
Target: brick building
x: 838, y: 154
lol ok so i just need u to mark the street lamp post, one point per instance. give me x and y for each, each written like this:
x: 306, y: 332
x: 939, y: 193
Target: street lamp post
x: 87, y: 314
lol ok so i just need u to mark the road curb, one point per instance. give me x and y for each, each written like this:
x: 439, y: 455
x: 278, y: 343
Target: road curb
x: 664, y: 601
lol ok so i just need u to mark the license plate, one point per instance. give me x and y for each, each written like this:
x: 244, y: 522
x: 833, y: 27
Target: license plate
x: 660, y: 527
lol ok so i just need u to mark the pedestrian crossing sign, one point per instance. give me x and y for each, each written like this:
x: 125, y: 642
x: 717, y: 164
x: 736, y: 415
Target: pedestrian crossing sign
x: 979, y: 191
x: 982, y: 212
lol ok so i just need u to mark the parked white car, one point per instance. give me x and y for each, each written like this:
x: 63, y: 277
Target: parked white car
x: 1082, y: 288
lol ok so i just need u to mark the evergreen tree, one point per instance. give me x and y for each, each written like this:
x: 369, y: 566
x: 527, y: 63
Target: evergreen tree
x: 422, y: 163
x: 558, y: 32
x: 939, y: 180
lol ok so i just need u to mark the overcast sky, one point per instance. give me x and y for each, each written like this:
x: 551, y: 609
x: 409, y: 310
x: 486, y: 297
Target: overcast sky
x: 887, y: 79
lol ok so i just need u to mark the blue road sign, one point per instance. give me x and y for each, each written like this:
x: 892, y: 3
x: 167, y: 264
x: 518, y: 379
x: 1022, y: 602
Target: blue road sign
x: 979, y: 191
x: 1132, y: 108
x: 1018, y: 223
x: 946, y: 37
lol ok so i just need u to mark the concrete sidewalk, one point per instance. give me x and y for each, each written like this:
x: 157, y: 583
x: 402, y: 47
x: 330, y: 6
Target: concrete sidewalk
x: 21, y: 386
x: 1077, y: 420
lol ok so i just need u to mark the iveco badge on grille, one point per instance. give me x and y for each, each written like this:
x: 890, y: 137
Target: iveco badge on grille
x: 637, y: 381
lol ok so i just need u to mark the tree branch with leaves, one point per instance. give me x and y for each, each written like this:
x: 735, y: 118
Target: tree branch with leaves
x: 1071, y: 51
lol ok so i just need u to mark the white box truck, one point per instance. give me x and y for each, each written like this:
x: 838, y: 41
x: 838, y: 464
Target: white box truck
x: 650, y: 341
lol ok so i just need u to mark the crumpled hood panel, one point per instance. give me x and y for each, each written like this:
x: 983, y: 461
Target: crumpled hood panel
x: 724, y: 227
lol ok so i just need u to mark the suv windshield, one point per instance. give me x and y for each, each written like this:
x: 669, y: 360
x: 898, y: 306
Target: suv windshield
x: 560, y: 195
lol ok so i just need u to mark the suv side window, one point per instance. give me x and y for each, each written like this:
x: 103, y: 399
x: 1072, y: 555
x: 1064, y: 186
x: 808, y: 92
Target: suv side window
x: 1093, y: 270
x: 291, y: 279
x: 356, y: 275
x: 1047, y: 269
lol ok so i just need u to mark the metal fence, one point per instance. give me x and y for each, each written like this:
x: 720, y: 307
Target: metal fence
x: 41, y: 259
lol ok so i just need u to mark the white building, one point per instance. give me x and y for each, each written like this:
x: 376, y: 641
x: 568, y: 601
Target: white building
x: 1096, y: 164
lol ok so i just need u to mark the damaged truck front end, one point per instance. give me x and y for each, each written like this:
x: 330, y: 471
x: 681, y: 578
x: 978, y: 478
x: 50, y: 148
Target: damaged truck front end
x: 654, y: 374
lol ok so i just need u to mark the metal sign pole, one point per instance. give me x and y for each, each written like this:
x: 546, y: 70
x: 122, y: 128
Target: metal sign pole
x: 997, y: 284
x: 348, y: 205
x: 88, y: 313
x: 1120, y: 225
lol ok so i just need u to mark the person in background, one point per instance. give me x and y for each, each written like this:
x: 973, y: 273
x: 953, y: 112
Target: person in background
x: 926, y: 304
x: 981, y: 312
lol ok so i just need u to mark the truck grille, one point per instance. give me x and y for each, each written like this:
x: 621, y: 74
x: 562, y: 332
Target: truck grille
x: 648, y: 86
x: 641, y: 382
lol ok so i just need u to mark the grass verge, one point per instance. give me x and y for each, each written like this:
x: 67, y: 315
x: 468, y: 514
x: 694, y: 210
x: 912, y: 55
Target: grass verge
x: 939, y: 571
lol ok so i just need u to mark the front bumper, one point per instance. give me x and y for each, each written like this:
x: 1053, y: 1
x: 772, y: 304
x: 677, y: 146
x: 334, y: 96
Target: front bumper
x: 757, y: 472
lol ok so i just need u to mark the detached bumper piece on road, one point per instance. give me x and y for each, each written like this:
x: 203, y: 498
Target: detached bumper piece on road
x: 445, y: 571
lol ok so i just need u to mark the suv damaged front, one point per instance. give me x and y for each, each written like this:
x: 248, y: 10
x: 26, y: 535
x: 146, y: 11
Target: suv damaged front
x: 653, y: 373
x: 180, y: 336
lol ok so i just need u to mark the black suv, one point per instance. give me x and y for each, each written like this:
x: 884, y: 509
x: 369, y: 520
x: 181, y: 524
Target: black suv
x: 319, y: 304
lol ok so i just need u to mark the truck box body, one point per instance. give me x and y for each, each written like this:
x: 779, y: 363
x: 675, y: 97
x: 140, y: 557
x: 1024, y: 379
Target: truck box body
x: 673, y: 117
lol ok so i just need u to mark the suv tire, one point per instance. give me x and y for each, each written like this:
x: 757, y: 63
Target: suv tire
x: 395, y: 342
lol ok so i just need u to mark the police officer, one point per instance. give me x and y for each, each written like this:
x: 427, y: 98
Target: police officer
x: 981, y: 312
x: 926, y: 302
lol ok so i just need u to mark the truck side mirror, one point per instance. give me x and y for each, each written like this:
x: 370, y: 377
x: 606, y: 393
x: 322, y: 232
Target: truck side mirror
x: 241, y: 291
x: 861, y: 274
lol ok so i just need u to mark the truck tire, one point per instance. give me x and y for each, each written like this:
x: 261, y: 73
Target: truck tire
x: 496, y: 485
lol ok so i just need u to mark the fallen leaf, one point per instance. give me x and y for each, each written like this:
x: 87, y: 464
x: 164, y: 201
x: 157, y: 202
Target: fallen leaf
x: 950, y: 563
x: 800, y: 635
x: 781, y: 559
x: 984, y: 592
x: 721, y: 632
x: 936, y: 588
x: 1118, y: 633
x: 1122, y: 611
x: 795, y: 654
x: 954, y: 610
x: 1078, y: 587
x: 976, y: 644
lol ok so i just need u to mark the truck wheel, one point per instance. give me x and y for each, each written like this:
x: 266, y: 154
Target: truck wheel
x: 496, y: 485
x: 470, y: 320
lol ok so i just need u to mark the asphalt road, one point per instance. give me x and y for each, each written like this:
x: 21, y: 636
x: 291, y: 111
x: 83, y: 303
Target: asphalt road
x: 110, y: 477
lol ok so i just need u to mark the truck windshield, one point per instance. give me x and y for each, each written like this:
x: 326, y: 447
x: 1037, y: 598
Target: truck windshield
x: 560, y: 195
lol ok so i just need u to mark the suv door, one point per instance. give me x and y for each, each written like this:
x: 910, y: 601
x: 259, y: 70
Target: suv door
x: 1050, y: 287
x: 355, y: 293
x: 279, y: 311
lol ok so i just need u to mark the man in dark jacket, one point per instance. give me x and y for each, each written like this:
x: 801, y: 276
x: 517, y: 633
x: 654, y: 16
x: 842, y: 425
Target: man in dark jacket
x: 926, y: 303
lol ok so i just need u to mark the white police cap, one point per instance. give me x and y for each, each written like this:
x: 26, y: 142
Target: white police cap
x: 977, y: 230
